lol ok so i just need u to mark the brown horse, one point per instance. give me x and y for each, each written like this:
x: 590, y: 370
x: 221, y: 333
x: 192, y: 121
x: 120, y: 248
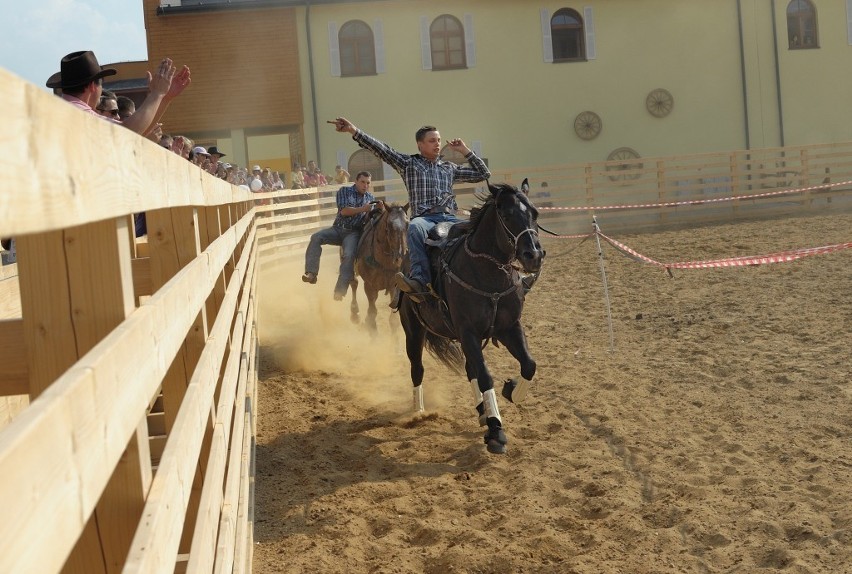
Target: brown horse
x: 381, y: 250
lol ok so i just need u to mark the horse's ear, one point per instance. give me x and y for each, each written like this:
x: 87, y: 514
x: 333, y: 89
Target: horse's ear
x: 525, y: 186
x: 406, y: 206
x: 493, y: 189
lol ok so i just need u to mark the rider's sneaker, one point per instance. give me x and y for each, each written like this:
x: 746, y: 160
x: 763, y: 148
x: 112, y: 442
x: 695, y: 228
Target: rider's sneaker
x: 309, y: 277
x: 338, y: 296
x: 411, y: 287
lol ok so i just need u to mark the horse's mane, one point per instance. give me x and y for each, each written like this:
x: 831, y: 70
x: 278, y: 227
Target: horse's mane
x: 483, y: 200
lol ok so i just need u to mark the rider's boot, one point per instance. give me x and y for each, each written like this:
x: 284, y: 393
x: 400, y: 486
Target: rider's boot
x: 411, y: 287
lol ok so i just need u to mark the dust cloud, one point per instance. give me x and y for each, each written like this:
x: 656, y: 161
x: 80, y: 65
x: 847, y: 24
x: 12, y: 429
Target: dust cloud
x: 303, y: 329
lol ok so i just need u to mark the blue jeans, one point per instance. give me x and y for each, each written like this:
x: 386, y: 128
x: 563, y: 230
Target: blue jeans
x: 418, y: 229
x: 348, y: 238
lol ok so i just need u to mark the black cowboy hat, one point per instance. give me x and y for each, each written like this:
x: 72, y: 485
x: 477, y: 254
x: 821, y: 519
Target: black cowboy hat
x: 78, y: 69
x: 214, y: 150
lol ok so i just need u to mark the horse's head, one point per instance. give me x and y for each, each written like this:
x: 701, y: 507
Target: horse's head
x: 393, y: 230
x: 519, y: 219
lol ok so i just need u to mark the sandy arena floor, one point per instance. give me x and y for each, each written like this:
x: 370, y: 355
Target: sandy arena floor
x: 714, y: 438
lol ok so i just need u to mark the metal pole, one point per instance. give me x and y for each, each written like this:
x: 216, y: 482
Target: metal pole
x: 606, y: 287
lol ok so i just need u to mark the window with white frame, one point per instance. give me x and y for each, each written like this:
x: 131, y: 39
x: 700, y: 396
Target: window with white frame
x: 357, y: 49
x: 567, y: 35
x: 447, y: 43
x: 446, y: 38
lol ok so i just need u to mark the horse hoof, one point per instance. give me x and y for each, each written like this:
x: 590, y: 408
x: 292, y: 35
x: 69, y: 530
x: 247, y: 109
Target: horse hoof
x: 514, y: 391
x: 483, y: 420
x: 495, y: 438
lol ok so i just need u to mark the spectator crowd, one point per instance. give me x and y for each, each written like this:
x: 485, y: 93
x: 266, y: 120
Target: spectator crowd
x: 80, y: 83
x: 120, y: 108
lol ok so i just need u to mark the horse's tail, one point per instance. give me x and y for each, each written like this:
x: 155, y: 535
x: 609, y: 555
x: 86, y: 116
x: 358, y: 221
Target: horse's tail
x: 447, y: 351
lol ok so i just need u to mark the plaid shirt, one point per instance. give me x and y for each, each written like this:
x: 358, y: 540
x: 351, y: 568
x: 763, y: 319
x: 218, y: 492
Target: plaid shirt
x: 428, y: 183
x: 348, y: 196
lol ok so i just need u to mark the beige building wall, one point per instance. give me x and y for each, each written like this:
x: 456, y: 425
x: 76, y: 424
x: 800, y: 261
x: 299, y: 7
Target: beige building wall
x: 758, y: 57
x: 735, y: 82
x: 716, y: 57
x: 816, y: 85
x: 522, y: 109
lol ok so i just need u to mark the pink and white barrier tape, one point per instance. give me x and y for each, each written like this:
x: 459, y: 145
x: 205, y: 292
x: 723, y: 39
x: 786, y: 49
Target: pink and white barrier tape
x: 781, y: 257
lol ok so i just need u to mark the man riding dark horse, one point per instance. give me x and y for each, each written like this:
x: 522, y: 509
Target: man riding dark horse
x: 429, y: 181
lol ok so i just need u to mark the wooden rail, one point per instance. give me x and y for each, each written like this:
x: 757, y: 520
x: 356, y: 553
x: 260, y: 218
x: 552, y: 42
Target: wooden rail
x: 128, y: 379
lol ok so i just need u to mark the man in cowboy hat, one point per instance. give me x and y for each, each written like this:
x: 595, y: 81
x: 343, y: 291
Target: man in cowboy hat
x: 215, y: 158
x: 80, y: 78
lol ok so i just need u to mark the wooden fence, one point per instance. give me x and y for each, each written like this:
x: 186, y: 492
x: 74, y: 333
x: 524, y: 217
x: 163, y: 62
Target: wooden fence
x: 128, y: 374
x: 707, y: 188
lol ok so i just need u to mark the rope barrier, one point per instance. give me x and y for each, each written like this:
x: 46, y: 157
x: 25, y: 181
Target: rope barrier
x: 743, y: 261
x: 821, y: 186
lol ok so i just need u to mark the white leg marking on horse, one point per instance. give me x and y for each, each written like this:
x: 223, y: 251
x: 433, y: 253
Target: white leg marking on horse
x: 477, y: 394
x: 489, y: 399
x: 418, y: 399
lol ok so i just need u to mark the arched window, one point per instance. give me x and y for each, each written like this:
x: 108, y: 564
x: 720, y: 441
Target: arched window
x: 357, y: 49
x: 802, y: 25
x: 446, y: 37
x: 449, y: 154
x: 362, y: 160
x: 566, y: 31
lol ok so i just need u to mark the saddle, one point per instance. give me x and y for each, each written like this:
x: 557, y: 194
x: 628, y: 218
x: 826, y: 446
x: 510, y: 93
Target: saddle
x: 441, y: 244
x: 442, y: 238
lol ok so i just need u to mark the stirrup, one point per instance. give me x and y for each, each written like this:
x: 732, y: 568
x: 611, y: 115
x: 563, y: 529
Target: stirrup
x: 411, y: 287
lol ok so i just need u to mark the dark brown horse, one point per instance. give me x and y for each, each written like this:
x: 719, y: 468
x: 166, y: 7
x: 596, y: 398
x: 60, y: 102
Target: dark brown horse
x: 381, y: 250
x: 481, y: 299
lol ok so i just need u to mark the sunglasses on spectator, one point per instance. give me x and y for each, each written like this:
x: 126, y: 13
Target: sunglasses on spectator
x: 110, y: 112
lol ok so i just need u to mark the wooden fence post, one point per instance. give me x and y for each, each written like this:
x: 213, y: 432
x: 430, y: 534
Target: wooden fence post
x: 76, y: 287
x: 661, y: 187
x: 735, y: 180
x: 805, y: 176
x: 173, y: 242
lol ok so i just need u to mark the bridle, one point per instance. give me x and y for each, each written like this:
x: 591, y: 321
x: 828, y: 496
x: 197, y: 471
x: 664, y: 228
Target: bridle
x: 513, y: 241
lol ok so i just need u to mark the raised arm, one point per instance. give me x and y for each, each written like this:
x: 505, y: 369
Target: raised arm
x: 477, y: 171
x: 181, y: 80
x: 158, y: 87
x: 381, y: 150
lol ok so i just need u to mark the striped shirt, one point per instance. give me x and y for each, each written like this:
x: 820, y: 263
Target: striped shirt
x: 429, y: 183
x: 348, y: 196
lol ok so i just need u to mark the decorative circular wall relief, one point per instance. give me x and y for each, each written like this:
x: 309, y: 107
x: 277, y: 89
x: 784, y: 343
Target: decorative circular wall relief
x: 587, y: 125
x: 626, y: 170
x: 659, y: 103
